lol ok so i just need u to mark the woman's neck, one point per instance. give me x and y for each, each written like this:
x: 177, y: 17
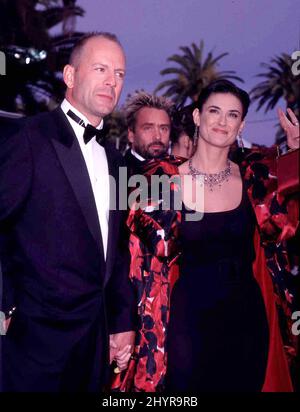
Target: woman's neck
x: 210, y: 159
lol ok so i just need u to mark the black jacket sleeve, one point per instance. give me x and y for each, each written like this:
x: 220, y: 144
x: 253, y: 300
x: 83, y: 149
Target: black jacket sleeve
x: 120, y: 296
x: 121, y: 301
x: 15, y: 173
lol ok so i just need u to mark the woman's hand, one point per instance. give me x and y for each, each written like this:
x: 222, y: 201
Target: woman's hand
x: 291, y: 128
x: 122, y: 358
x: 121, y: 347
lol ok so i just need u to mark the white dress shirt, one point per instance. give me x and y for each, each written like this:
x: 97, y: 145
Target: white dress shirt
x: 138, y: 156
x: 96, y: 163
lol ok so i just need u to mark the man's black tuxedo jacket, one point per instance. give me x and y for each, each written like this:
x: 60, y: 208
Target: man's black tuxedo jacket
x: 134, y: 165
x: 53, y: 265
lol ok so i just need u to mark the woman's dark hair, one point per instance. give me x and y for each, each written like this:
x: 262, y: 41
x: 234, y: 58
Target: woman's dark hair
x: 224, y: 86
x: 182, y: 122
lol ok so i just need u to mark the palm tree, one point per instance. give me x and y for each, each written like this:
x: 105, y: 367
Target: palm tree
x: 194, y: 71
x: 279, y: 82
x: 115, y: 127
x: 34, y: 57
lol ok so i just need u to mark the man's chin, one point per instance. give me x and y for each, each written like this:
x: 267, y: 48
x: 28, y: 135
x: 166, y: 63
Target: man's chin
x: 104, y: 110
x: 156, y: 154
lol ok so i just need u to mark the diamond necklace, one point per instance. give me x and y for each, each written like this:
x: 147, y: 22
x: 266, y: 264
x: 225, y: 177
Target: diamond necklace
x: 211, y: 179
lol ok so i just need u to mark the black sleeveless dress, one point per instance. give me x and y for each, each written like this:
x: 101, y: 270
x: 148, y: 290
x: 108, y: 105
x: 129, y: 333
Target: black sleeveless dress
x: 218, y: 332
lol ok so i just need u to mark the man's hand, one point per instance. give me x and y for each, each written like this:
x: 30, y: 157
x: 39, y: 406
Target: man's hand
x: 291, y: 128
x: 121, y: 347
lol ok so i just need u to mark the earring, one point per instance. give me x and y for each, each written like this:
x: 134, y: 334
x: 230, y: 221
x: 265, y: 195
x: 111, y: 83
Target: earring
x: 169, y: 148
x: 241, y: 143
x: 196, y: 136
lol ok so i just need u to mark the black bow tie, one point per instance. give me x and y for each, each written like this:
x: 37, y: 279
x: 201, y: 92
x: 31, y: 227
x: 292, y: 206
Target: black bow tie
x: 89, y: 130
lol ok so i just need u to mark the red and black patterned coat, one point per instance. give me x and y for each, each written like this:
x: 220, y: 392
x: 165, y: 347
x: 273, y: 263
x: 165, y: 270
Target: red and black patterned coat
x: 154, y: 270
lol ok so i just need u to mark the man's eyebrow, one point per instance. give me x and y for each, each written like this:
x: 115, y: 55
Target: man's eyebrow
x: 152, y: 124
x: 147, y: 124
x: 106, y: 66
x: 99, y: 64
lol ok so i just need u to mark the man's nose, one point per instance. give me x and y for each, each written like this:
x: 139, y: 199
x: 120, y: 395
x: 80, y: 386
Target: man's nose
x: 110, y: 79
x: 157, y: 134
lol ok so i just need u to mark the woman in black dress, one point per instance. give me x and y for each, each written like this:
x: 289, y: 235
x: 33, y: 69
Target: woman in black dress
x: 209, y: 289
x: 218, y: 337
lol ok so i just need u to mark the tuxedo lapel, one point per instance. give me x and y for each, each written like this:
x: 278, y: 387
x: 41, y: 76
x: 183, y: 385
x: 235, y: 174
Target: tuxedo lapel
x: 114, y: 214
x: 69, y: 153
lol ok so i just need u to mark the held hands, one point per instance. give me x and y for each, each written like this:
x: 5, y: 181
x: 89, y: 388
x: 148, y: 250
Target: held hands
x: 4, y: 325
x: 120, y: 348
x: 291, y: 128
x: 5, y: 319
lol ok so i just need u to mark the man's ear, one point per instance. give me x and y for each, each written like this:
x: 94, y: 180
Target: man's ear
x: 130, y: 136
x: 186, y: 141
x: 68, y: 76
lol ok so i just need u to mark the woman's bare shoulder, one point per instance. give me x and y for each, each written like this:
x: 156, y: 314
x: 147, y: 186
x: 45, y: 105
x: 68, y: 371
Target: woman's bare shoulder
x: 184, y: 168
x: 235, y: 169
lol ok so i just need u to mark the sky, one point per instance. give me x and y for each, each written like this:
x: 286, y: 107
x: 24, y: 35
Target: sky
x: 251, y: 31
